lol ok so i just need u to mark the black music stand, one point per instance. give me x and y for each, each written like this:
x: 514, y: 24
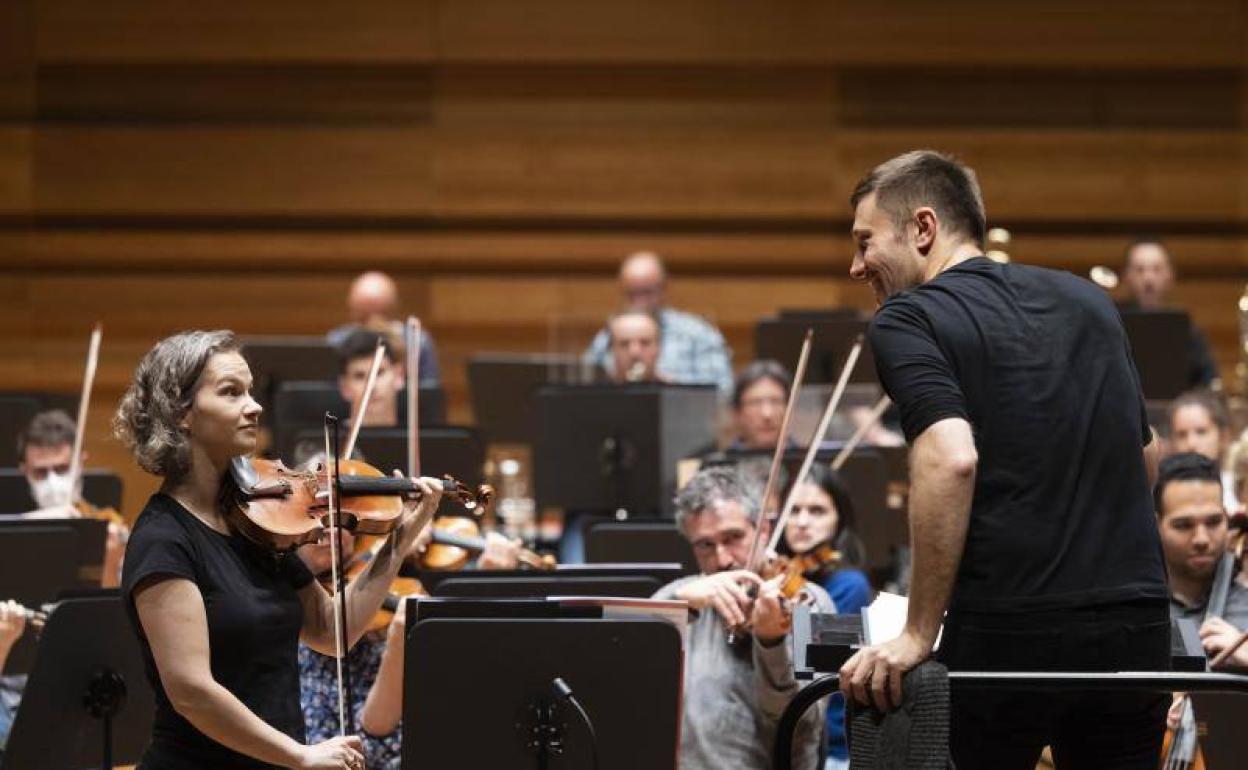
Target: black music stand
x: 99, y: 487
x: 612, y: 542
x: 447, y: 449
x: 39, y: 562
x: 16, y: 412
x: 1159, y: 339
x: 1220, y: 722
x: 277, y: 358
x: 603, y: 448
x: 834, y: 334
x: 502, y: 387
x: 636, y: 580
x: 87, y: 702
x: 624, y: 674
x: 300, y: 405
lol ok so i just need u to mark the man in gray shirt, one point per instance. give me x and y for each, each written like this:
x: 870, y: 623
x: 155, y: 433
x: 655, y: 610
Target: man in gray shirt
x: 734, y: 694
x: 1194, y: 532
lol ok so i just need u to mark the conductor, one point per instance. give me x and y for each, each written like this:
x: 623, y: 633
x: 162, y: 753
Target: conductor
x: 1031, y: 460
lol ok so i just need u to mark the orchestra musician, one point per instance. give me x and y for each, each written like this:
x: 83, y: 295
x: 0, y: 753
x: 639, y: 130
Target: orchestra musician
x: 759, y: 396
x: 219, y: 617
x: 373, y: 304
x: 1148, y: 276
x: 1194, y: 533
x: 1030, y: 514
x: 634, y: 340
x: 375, y: 663
x: 694, y: 351
x: 355, y: 357
x: 820, y: 532
x: 733, y: 697
x: 46, y: 449
x: 1200, y: 422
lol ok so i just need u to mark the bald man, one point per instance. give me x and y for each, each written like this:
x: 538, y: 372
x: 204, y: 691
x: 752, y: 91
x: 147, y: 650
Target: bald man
x: 373, y: 304
x: 691, y: 351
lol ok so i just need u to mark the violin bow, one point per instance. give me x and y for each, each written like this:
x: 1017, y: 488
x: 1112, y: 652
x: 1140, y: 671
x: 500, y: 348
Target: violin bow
x: 413, y: 396
x: 815, y: 441
x: 873, y: 417
x: 357, y: 419
x: 84, y: 401
x: 777, y: 457
x: 337, y: 573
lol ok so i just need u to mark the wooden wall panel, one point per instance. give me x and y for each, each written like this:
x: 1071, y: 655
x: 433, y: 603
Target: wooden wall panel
x: 166, y: 165
x: 16, y: 169
x: 805, y: 248
x: 256, y: 171
x: 553, y: 174
x: 1060, y: 34
x: 281, y: 30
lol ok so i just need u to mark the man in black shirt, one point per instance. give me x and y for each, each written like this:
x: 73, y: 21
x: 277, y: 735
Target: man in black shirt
x: 1030, y: 514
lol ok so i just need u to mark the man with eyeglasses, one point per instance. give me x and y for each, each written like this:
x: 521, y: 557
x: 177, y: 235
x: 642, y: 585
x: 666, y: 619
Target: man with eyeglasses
x: 735, y: 693
x: 693, y: 351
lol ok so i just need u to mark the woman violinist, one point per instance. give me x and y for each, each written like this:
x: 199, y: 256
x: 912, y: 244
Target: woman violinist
x: 219, y: 617
x: 820, y: 535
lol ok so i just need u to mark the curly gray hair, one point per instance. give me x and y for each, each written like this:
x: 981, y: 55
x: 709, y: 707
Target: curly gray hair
x: 722, y: 483
x: 149, y: 416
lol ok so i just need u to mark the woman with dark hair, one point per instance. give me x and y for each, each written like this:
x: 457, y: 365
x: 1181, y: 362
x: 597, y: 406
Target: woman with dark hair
x: 219, y: 617
x: 823, y: 515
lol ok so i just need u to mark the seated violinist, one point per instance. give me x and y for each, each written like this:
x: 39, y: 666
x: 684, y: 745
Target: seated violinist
x: 46, y: 450
x: 219, y: 614
x: 375, y: 663
x: 820, y: 531
x: 735, y: 693
x: 1193, y: 524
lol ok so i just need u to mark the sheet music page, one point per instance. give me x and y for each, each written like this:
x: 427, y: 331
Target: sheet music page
x: 885, y: 619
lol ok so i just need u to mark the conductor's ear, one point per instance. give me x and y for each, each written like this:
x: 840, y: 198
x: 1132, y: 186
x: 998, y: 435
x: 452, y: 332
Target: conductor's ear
x: 927, y: 224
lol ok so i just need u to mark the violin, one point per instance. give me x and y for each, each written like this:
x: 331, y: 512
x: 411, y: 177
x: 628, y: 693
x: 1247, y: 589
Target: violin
x: 456, y: 539
x: 815, y: 560
x: 400, y: 587
x: 283, y: 509
x: 762, y: 560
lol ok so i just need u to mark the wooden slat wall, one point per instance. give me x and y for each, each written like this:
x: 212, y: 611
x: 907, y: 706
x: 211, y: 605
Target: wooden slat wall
x: 170, y: 164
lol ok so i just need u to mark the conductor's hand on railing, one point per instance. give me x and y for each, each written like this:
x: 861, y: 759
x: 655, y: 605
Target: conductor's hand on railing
x: 872, y: 676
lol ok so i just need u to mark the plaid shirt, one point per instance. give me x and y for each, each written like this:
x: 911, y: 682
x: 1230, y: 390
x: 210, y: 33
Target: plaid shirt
x: 691, y: 351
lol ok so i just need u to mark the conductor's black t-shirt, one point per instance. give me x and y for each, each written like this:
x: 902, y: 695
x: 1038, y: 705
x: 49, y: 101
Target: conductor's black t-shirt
x: 254, y: 617
x: 1038, y: 363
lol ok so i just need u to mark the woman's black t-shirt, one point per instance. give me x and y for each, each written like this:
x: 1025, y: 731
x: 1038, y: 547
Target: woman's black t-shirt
x: 254, y: 617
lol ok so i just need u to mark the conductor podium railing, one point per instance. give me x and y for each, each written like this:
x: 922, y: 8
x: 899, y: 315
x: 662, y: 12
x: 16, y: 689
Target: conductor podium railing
x: 1016, y: 680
